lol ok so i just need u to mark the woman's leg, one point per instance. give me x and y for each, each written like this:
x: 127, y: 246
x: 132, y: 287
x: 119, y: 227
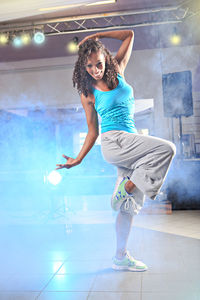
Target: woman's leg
x: 124, y: 220
x: 123, y: 227
x: 130, y: 187
x: 146, y: 158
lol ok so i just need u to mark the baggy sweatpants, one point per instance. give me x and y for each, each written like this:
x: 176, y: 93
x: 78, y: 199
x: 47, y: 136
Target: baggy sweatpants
x: 144, y: 159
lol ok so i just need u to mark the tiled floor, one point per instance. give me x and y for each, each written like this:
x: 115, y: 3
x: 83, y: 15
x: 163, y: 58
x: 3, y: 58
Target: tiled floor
x: 69, y: 257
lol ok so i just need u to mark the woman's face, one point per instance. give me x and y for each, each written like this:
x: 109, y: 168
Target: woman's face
x: 95, y: 65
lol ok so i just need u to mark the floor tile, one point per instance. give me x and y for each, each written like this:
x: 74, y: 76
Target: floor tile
x: 70, y: 282
x: 26, y: 283
x: 58, y: 265
x: 35, y: 267
x: 114, y: 296
x: 63, y: 296
x: 80, y: 267
x: 118, y: 281
x: 167, y: 282
x: 18, y: 296
x: 161, y: 263
x: 179, y: 295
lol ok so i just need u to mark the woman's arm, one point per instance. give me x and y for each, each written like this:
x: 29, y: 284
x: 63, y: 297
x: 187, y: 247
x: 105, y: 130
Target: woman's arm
x: 125, y: 50
x: 93, y: 126
x: 93, y: 132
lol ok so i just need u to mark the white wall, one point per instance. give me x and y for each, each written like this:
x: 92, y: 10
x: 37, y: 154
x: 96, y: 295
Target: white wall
x: 41, y: 82
x: 48, y: 82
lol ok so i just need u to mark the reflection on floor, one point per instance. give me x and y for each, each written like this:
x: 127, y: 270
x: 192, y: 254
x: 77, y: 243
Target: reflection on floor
x: 67, y: 254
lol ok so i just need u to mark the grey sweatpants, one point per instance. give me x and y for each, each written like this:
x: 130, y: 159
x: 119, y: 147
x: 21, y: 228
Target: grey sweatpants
x: 145, y: 159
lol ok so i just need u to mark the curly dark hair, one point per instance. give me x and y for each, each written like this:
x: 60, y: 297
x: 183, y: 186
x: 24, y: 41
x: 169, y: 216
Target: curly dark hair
x: 82, y: 79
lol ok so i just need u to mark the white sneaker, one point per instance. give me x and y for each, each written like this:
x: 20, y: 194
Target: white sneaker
x: 129, y: 263
x: 120, y: 195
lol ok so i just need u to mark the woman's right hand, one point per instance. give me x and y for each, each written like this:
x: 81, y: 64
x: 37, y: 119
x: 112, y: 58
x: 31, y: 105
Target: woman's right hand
x: 71, y: 162
x: 92, y: 36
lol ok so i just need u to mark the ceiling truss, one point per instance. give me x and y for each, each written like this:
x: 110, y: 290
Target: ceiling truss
x: 107, y: 21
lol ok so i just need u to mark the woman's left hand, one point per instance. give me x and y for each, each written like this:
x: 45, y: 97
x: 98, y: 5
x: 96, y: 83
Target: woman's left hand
x: 92, y: 36
x: 71, y: 162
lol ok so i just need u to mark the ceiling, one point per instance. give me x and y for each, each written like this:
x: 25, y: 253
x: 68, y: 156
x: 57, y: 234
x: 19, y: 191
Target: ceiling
x: 18, y: 10
x: 152, y: 21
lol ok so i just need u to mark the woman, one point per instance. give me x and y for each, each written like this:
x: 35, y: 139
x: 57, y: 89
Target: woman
x: 142, y: 161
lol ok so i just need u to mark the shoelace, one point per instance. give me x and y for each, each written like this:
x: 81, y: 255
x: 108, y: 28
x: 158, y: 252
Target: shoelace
x: 131, y: 259
x: 128, y: 203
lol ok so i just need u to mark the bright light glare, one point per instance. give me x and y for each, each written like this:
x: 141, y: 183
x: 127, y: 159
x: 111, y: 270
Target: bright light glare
x: 39, y: 37
x: 54, y: 177
x: 17, y: 42
x: 72, y: 47
x: 175, y: 39
x: 3, y: 38
x: 57, y: 265
x: 26, y: 38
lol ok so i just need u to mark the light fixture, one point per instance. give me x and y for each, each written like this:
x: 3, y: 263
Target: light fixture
x: 17, y: 41
x: 175, y: 38
x: 4, y: 38
x: 102, y: 2
x: 39, y: 38
x: 26, y: 38
x: 72, y: 46
x: 20, y: 39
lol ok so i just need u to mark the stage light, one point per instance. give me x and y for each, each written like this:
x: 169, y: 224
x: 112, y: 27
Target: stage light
x: 4, y: 38
x: 54, y: 177
x: 39, y: 38
x: 72, y: 46
x: 26, y: 38
x: 17, y: 42
x: 102, y: 2
x: 175, y: 39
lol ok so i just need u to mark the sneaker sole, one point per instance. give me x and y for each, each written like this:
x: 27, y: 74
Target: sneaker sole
x: 123, y: 268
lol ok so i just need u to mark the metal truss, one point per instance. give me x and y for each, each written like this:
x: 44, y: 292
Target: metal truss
x: 108, y: 21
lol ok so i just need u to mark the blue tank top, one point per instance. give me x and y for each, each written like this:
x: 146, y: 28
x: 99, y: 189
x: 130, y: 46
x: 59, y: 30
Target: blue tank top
x: 116, y: 107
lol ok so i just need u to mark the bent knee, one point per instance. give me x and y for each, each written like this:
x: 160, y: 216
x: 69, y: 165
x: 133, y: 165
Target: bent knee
x: 171, y: 148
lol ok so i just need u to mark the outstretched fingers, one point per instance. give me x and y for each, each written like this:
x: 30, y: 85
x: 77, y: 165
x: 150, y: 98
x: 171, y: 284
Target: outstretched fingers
x: 60, y: 166
x: 65, y: 156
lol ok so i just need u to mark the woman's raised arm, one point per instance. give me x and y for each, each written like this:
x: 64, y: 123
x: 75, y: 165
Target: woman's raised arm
x: 125, y: 50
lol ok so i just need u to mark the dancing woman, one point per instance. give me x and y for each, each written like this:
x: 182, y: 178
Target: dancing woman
x: 142, y: 161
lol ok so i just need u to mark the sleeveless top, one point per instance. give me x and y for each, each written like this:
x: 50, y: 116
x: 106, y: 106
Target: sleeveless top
x: 116, y: 107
